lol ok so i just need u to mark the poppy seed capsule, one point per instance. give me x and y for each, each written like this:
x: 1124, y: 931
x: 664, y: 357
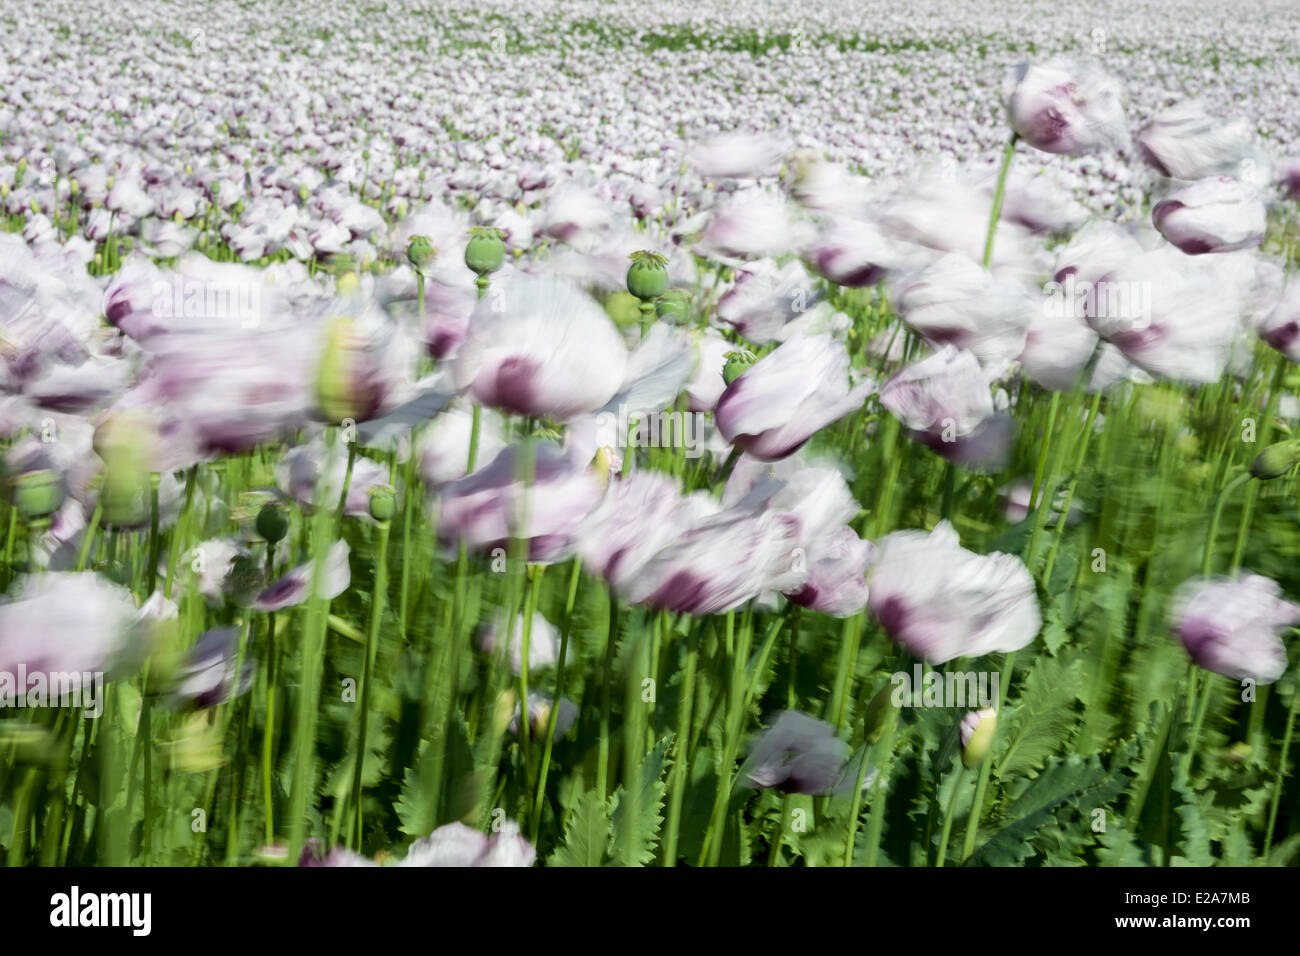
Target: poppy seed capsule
x: 647, y: 277
x: 737, y: 364
x: 1275, y: 460
x: 383, y: 503
x: 486, y: 250
x: 420, y: 253
x: 127, y: 442
x: 272, y: 522
x: 37, y: 494
x: 672, y: 302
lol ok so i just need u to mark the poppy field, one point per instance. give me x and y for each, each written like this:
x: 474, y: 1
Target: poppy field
x: 462, y: 434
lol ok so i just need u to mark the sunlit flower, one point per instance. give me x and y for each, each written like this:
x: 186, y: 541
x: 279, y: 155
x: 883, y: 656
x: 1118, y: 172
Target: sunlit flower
x: 941, y: 601
x: 1231, y: 626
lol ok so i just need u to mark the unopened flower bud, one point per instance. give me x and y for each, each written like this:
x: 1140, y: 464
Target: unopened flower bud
x: 348, y: 284
x: 127, y: 443
x: 1275, y: 460
x: 345, y: 389
x: 881, y: 714
x: 977, y: 730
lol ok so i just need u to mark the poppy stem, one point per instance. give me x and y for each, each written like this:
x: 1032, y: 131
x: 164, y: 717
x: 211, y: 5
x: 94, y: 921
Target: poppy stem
x: 1281, y: 773
x: 972, y: 827
x: 996, y: 212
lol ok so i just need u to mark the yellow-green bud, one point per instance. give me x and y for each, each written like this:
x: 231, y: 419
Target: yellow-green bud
x: 1275, y: 460
x: 977, y: 731
x: 881, y: 714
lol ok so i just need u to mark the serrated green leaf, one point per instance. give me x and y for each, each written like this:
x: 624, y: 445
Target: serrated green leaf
x: 586, y: 836
x: 636, y: 815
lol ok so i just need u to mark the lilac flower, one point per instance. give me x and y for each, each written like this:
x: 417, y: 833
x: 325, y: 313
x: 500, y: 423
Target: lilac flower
x: 543, y: 643
x: 854, y: 253
x: 945, y: 403
x: 489, y: 507
x: 785, y: 398
x: 443, y: 446
x: 1065, y: 107
x: 720, y: 563
x: 737, y: 156
x: 1231, y: 626
x: 1213, y: 215
x: 206, y: 677
x: 295, y: 587
x: 837, y: 582
x: 70, y: 622
x: 941, y: 601
x: 1281, y: 327
x: 635, y: 519
x: 1178, y: 321
x: 541, y: 347
x: 765, y: 298
x: 458, y: 845
x: 797, y: 754
x: 753, y: 224
x: 1186, y: 142
x: 955, y: 302
x: 539, y: 717
x: 706, y: 384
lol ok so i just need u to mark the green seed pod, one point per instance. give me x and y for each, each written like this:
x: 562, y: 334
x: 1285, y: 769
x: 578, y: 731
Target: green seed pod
x: 1275, y: 460
x: 486, y: 250
x: 420, y: 253
x: 246, y: 578
x: 127, y: 442
x: 37, y: 494
x: 272, y: 522
x: 673, y: 302
x: 737, y: 364
x: 125, y: 497
x: 977, y: 731
x: 345, y: 388
x: 383, y: 503
x: 647, y: 277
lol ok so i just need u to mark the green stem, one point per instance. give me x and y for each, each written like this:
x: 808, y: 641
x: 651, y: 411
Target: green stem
x: 948, y: 816
x: 998, y: 195
x: 372, y: 642
x: 1281, y: 774
x: 574, y: 576
x: 684, y: 707
x: 973, y: 825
